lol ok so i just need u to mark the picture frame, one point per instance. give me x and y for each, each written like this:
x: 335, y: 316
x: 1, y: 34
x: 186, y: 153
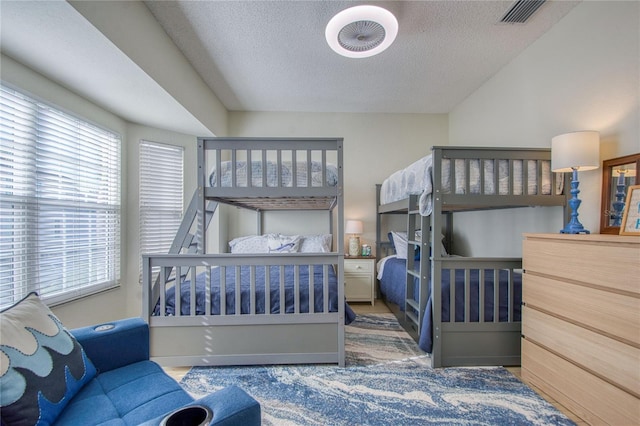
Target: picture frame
x: 613, y: 194
x: 631, y: 217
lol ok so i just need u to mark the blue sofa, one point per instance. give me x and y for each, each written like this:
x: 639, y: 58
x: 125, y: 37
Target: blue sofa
x: 129, y: 389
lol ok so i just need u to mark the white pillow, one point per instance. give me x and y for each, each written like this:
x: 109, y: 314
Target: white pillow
x: 250, y: 244
x: 400, y: 243
x: 316, y: 243
x: 278, y: 243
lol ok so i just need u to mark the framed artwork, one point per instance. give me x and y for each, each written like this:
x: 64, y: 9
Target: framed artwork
x: 631, y: 218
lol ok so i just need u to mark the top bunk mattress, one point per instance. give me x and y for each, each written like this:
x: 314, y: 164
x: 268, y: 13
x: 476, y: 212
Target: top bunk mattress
x: 416, y: 179
x: 274, y: 177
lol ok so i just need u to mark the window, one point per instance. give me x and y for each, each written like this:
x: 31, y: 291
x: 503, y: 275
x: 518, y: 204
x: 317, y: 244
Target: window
x: 59, y: 205
x: 161, y: 195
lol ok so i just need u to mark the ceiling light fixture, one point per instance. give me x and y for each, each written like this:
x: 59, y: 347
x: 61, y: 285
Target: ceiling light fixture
x: 361, y: 31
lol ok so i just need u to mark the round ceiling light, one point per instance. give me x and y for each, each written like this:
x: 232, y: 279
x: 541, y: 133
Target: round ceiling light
x: 361, y: 31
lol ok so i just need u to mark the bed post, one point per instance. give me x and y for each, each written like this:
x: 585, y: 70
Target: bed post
x: 341, y: 296
x: 436, y: 262
x: 378, y: 225
x: 200, y: 216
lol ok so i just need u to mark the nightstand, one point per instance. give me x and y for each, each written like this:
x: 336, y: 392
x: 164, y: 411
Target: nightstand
x: 359, y: 274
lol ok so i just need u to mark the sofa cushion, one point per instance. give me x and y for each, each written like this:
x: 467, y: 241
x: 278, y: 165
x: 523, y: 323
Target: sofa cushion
x: 128, y: 395
x: 42, y: 366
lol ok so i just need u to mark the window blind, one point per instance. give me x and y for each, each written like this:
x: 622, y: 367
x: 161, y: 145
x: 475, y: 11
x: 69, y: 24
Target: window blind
x: 161, y: 196
x: 60, y: 203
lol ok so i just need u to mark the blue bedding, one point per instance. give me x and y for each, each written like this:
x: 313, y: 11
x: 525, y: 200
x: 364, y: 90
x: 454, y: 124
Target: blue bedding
x: 260, y: 293
x: 392, y: 286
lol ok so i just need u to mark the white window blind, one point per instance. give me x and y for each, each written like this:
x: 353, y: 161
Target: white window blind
x: 161, y: 195
x: 60, y: 203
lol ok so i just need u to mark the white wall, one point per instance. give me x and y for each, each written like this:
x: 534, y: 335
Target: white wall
x: 583, y: 74
x: 375, y: 145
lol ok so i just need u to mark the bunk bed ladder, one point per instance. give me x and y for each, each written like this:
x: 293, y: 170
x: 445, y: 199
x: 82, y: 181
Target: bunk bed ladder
x: 186, y: 236
x: 416, y: 293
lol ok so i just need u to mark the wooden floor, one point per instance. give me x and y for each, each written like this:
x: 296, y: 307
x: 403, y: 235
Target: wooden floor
x: 380, y: 308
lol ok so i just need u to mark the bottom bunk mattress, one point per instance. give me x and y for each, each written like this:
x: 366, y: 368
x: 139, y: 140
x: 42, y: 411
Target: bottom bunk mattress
x: 393, y: 283
x: 254, y: 298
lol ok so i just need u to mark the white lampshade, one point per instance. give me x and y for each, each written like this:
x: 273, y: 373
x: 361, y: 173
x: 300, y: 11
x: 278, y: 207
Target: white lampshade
x: 575, y: 150
x: 353, y: 227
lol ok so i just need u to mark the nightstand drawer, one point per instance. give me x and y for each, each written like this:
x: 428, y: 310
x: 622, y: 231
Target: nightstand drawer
x: 354, y: 266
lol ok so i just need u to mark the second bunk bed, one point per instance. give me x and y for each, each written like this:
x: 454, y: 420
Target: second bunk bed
x: 462, y: 310
x: 278, y: 300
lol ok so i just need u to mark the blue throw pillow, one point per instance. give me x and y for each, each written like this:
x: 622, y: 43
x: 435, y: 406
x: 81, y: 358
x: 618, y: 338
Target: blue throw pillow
x: 42, y: 366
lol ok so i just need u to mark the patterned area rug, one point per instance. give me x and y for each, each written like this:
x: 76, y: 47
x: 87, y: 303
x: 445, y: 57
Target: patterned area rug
x: 387, y: 381
x: 375, y: 339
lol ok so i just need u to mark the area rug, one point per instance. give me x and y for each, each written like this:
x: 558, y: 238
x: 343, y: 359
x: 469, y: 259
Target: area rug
x: 377, y: 338
x: 378, y: 388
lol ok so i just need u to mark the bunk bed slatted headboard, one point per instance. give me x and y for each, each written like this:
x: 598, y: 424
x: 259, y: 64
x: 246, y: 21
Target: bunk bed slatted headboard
x: 499, y: 177
x: 300, y: 173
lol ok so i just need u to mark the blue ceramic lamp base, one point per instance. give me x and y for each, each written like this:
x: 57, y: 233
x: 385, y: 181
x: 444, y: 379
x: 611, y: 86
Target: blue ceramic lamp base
x: 574, y: 226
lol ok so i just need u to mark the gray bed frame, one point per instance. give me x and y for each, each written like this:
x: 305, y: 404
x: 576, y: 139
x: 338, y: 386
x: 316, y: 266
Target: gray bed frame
x: 462, y: 343
x: 251, y: 338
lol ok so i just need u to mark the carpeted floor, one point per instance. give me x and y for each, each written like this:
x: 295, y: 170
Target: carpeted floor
x: 387, y: 381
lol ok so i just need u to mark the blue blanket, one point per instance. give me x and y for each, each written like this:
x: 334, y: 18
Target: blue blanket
x: 273, y: 284
x: 392, y: 286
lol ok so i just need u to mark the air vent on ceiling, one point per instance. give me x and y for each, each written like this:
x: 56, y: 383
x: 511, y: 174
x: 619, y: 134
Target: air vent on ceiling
x: 520, y: 11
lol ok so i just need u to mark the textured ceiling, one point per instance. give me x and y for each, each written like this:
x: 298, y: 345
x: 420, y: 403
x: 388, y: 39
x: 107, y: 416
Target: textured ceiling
x: 272, y: 55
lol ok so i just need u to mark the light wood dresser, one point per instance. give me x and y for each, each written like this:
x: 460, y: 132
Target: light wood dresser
x: 581, y: 323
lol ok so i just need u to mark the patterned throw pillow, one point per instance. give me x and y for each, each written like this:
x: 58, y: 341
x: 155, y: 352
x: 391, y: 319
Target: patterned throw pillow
x: 283, y: 243
x: 42, y: 366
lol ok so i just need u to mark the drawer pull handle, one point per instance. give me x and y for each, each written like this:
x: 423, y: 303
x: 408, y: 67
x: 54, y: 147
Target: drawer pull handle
x: 358, y: 267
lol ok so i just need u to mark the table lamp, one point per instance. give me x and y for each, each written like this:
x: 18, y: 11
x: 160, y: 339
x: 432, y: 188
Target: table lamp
x: 571, y: 152
x: 354, y: 228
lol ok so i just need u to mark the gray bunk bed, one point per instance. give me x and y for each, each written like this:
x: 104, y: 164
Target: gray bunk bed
x: 462, y: 310
x: 252, y: 308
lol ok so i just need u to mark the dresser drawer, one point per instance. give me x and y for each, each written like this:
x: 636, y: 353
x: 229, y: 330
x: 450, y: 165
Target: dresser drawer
x: 614, y: 314
x: 354, y: 266
x: 609, y: 265
x: 595, y: 400
x: 588, y: 349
